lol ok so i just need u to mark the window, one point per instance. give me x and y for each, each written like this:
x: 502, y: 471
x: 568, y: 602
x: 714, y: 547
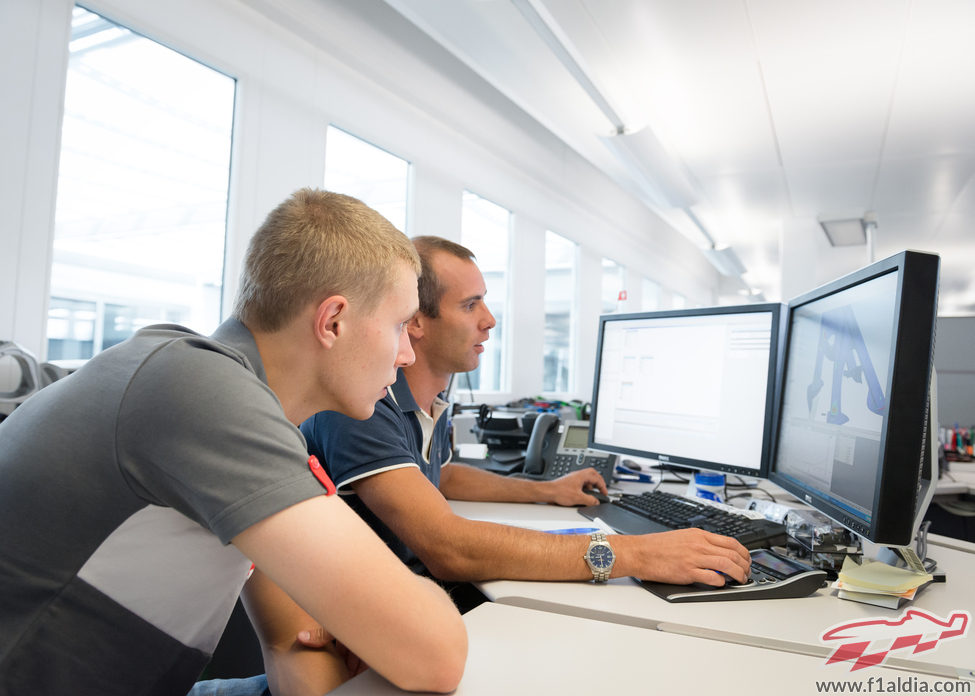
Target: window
x: 71, y: 329
x: 485, y: 229
x: 141, y: 211
x: 560, y: 293
x: 678, y: 301
x: 613, y: 285
x: 376, y: 177
x: 651, y: 296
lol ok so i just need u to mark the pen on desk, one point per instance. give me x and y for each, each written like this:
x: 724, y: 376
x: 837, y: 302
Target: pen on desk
x: 573, y: 530
x: 636, y: 478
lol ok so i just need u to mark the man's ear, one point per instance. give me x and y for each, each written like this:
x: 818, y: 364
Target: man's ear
x: 414, y: 327
x: 330, y: 319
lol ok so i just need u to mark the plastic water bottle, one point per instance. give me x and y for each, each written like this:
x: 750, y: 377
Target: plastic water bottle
x: 707, y: 485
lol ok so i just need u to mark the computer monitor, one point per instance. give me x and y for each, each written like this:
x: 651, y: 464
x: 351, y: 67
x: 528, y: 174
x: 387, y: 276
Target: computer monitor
x: 854, y: 421
x: 692, y: 387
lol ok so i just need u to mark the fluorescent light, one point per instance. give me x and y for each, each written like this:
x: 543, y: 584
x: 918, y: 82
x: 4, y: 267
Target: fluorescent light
x: 549, y: 31
x: 660, y: 177
x: 725, y: 260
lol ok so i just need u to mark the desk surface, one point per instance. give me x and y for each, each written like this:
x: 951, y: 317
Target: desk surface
x: 520, y: 651
x: 792, y: 625
x: 959, y: 479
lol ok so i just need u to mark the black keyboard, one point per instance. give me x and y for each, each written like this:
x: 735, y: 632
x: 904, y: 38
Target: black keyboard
x: 656, y: 511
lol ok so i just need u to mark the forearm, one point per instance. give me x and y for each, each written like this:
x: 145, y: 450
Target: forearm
x: 398, y: 623
x: 297, y: 671
x: 291, y: 669
x: 460, y: 482
x: 475, y: 551
x: 480, y: 551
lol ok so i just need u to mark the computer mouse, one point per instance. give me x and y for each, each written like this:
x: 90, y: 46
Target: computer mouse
x: 730, y: 581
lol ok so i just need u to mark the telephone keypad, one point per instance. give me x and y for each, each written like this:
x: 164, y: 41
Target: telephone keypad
x: 564, y: 463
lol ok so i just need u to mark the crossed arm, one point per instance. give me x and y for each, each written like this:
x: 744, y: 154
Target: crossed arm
x: 319, y: 564
x: 455, y: 548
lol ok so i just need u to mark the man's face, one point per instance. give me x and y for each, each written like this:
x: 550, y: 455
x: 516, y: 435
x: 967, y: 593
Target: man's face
x: 453, y: 341
x: 375, y: 346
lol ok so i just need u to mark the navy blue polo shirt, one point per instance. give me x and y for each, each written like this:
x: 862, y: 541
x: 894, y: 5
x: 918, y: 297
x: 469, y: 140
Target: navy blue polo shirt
x: 392, y: 438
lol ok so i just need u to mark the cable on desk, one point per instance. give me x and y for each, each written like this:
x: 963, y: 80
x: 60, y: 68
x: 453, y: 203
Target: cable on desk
x: 753, y: 490
x: 666, y: 468
x: 922, y: 547
x: 742, y: 483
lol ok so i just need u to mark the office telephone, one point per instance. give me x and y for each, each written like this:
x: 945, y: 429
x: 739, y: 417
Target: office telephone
x: 557, y: 447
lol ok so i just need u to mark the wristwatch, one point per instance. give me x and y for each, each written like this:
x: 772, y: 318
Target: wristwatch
x: 600, y: 557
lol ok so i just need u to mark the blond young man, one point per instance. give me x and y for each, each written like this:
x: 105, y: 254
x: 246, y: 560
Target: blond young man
x: 137, y: 492
x: 398, y: 465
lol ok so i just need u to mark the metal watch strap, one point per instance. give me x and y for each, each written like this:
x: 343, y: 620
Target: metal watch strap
x: 598, y: 574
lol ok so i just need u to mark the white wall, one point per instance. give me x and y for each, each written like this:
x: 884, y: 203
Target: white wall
x: 301, y: 65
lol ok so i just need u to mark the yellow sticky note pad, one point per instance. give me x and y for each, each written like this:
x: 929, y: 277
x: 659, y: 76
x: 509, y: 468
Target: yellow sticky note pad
x: 880, y: 576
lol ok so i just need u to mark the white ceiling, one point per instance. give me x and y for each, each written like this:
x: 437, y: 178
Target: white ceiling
x: 773, y: 112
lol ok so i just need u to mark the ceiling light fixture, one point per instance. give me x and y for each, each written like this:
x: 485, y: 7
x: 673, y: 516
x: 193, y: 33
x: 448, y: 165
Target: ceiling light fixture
x: 665, y: 182
x: 662, y: 180
x: 548, y: 31
x: 725, y: 260
x: 849, y: 231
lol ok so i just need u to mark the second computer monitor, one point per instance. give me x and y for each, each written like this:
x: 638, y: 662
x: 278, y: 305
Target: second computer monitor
x: 691, y: 387
x: 853, y: 426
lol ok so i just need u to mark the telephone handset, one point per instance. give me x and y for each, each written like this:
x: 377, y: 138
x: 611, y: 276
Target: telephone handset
x: 558, y: 447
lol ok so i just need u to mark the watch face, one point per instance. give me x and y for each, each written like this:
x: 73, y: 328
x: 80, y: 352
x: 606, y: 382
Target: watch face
x: 601, y: 556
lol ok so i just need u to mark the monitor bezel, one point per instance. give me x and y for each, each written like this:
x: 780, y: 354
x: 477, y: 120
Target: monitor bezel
x: 903, y: 428
x: 666, y: 458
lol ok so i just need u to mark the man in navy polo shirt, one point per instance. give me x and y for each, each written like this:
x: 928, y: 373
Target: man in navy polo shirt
x: 397, y: 464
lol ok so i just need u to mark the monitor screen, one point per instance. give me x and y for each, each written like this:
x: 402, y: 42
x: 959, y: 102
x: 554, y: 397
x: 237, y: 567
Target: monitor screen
x: 690, y: 387
x: 854, y: 391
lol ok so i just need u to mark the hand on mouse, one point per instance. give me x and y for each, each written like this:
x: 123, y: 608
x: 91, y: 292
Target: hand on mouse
x: 571, y: 489
x: 681, y: 557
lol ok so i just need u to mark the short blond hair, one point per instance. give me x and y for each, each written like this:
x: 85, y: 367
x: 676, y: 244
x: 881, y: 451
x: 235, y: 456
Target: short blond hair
x: 314, y: 245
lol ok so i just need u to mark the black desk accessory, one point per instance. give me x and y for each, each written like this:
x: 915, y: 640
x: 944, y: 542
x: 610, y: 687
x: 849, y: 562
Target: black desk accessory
x: 773, y: 576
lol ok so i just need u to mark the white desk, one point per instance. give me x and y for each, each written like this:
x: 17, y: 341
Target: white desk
x: 791, y: 625
x: 519, y: 651
x: 959, y: 479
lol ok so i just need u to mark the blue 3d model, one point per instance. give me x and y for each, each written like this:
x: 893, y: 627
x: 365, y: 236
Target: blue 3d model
x: 841, y: 341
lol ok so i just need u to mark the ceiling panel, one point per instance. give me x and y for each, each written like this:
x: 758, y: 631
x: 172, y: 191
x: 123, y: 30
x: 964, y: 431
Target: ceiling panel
x: 834, y: 189
x: 747, y: 195
x: 928, y: 184
x: 782, y: 110
x: 931, y: 112
x: 830, y: 74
